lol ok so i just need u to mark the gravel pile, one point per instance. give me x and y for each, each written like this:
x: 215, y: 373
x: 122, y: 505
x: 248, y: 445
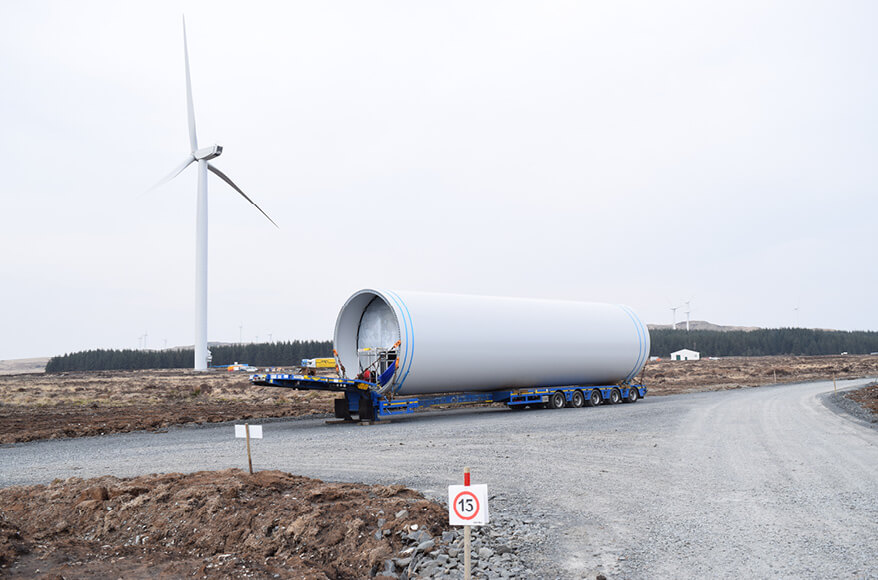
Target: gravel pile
x: 496, y: 550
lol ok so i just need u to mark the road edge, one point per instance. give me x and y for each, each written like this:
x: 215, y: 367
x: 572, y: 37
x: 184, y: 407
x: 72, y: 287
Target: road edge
x: 838, y: 403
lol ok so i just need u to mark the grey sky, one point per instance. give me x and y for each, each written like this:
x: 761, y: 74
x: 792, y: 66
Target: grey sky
x: 638, y: 152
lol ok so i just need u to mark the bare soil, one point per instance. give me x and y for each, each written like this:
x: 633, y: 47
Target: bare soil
x: 866, y: 397
x: 225, y: 524
x: 666, y: 377
x: 49, y: 406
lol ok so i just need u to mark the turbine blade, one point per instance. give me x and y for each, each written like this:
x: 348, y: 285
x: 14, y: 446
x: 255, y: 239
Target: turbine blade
x: 173, y: 174
x: 190, y: 108
x: 225, y: 178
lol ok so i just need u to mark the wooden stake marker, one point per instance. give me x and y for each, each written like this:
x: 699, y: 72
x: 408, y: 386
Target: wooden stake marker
x: 245, y: 431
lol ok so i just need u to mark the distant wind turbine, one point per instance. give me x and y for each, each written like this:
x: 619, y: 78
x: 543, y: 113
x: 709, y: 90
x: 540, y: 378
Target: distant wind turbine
x: 674, y: 316
x: 202, y: 156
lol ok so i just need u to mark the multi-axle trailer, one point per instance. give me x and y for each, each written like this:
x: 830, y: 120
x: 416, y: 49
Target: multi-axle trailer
x: 363, y: 402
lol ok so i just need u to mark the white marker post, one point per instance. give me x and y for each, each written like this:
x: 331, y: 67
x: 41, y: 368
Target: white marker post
x: 467, y: 506
x: 244, y: 432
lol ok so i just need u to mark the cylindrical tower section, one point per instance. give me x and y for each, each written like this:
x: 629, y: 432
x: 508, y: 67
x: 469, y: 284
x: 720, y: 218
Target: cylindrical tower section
x: 433, y: 343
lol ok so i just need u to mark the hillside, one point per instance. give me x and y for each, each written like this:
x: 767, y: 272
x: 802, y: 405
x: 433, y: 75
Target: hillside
x: 702, y: 325
x: 23, y: 366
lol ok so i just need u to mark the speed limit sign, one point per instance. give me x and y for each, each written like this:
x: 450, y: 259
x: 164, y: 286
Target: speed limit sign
x: 468, y: 505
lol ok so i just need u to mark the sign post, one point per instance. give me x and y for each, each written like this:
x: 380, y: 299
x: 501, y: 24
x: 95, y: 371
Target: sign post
x: 243, y: 432
x: 467, y: 535
x: 467, y: 507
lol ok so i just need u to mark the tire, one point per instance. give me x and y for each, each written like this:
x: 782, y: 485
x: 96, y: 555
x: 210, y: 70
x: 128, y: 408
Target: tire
x: 557, y: 400
x: 577, y: 399
x: 341, y: 409
x: 633, y: 395
x: 367, y: 411
x: 595, y: 398
x: 615, y: 397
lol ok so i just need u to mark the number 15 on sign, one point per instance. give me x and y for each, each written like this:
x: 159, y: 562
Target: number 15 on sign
x: 468, y: 505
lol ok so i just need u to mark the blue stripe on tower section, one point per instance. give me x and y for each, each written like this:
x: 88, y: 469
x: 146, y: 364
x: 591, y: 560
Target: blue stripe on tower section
x: 404, y: 337
x: 409, y: 336
x: 644, y: 345
x: 638, y: 326
x: 645, y: 332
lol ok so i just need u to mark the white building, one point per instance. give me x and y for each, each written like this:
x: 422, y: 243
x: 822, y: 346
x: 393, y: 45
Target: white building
x: 686, y: 354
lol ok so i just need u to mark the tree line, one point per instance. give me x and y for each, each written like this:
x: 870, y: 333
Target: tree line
x: 764, y: 342
x: 288, y: 353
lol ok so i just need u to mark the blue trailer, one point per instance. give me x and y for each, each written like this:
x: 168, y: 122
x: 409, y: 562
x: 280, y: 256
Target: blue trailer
x: 363, y: 402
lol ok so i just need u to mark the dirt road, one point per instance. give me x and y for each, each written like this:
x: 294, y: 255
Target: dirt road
x: 754, y: 482
x: 768, y: 481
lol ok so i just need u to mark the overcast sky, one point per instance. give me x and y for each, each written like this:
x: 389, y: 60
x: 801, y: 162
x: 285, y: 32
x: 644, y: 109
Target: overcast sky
x: 644, y: 153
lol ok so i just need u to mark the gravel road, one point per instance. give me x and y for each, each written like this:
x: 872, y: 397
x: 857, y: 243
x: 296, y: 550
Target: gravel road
x: 761, y: 482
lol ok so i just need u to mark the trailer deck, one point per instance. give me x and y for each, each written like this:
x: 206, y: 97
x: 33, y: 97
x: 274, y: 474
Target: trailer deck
x: 360, y: 398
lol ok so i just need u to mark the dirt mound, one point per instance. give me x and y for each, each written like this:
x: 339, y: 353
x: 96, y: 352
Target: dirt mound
x: 867, y: 397
x: 226, y: 524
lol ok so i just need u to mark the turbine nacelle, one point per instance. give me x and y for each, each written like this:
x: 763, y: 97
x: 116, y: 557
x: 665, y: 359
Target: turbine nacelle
x: 207, y: 153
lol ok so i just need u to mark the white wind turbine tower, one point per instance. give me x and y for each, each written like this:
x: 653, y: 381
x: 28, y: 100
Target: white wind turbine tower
x: 687, y: 315
x: 202, y: 156
x: 674, y: 316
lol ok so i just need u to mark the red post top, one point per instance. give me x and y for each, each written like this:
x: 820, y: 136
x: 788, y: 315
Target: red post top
x: 466, y: 475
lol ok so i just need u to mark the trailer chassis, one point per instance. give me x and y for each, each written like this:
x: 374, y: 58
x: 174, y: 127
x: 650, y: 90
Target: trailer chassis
x: 361, y: 400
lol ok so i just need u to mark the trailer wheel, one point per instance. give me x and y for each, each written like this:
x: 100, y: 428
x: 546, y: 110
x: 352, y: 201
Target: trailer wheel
x: 595, y: 398
x: 367, y: 411
x: 633, y: 395
x: 577, y: 399
x: 557, y: 400
x: 341, y: 409
x: 615, y: 397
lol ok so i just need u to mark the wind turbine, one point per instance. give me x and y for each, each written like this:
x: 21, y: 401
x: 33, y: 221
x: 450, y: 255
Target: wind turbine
x: 687, y: 315
x: 674, y: 317
x: 202, y: 157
